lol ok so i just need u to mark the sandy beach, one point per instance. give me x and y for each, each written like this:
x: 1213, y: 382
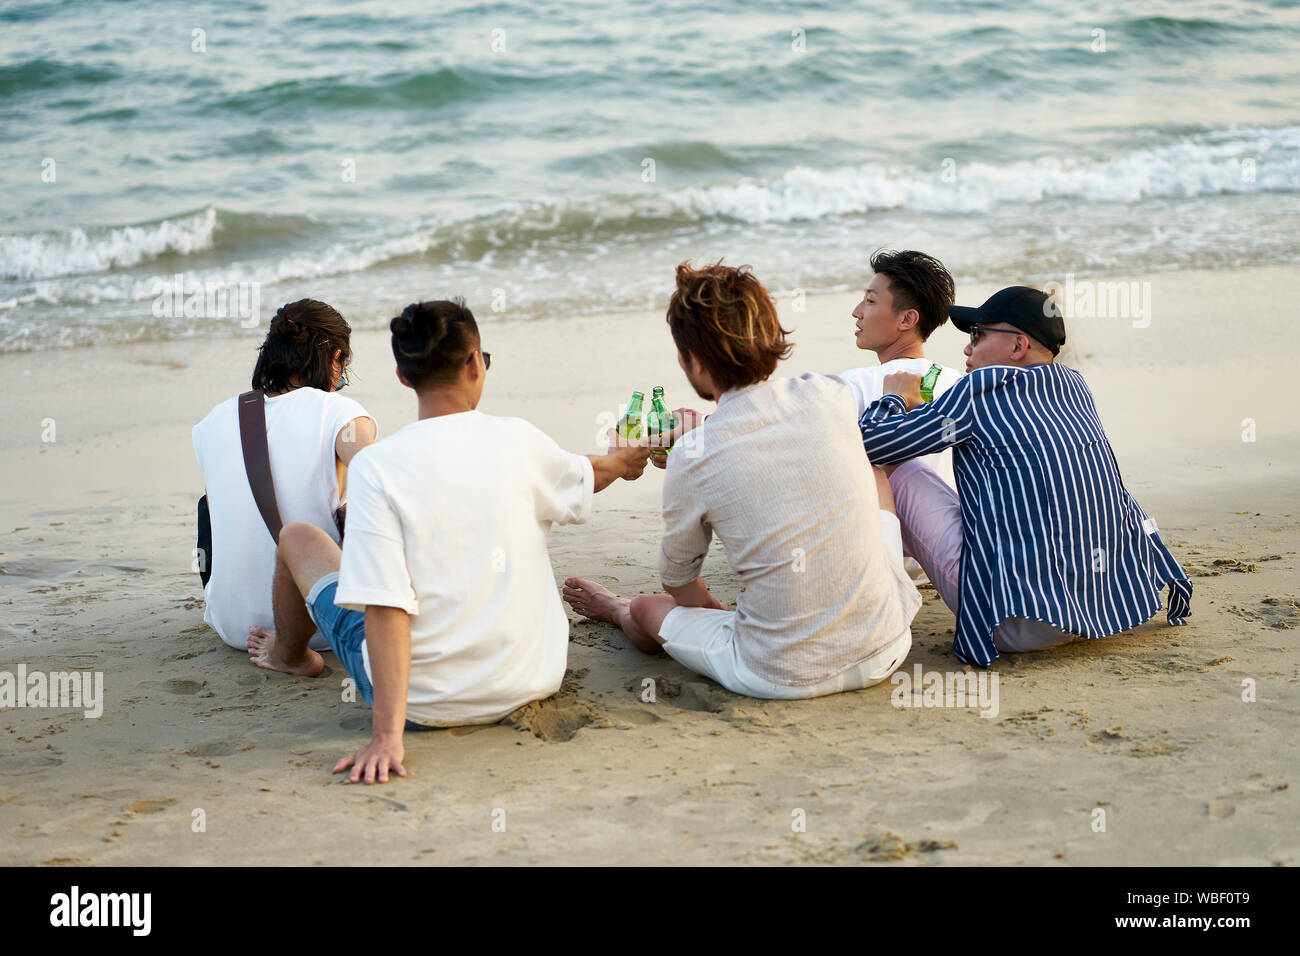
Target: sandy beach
x: 97, y: 527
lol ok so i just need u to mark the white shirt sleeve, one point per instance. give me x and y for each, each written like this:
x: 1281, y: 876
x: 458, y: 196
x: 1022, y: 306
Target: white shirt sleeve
x: 374, y: 569
x: 566, y: 483
x: 343, y: 410
x: 687, y: 532
x: 865, y: 385
x: 947, y: 379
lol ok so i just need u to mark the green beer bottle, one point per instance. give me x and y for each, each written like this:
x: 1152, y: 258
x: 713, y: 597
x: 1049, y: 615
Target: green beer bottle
x: 660, y: 420
x: 629, y: 426
x: 928, y: 381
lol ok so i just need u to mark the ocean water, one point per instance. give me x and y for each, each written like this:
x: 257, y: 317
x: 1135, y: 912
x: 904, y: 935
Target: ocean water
x: 546, y: 159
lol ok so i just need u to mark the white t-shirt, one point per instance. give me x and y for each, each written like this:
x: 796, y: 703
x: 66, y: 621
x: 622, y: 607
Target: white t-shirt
x: 301, y: 428
x: 448, y: 519
x: 868, y: 386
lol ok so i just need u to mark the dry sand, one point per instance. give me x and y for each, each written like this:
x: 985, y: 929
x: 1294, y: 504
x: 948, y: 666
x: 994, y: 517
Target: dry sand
x: 96, y: 530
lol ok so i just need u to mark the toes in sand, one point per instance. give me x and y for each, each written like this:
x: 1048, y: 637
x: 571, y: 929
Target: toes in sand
x: 592, y: 600
x: 270, y: 656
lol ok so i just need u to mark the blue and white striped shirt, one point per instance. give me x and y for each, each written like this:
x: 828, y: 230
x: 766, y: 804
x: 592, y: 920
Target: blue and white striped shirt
x: 1050, y: 532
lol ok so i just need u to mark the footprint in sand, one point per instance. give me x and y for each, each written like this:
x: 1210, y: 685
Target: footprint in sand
x: 216, y: 748
x: 183, y: 686
x: 1279, y: 613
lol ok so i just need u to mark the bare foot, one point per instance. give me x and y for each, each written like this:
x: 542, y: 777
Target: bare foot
x: 266, y: 653
x: 598, y: 603
x: 259, y: 637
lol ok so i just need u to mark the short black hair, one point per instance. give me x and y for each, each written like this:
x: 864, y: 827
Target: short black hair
x: 432, y: 340
x: 917, y: 281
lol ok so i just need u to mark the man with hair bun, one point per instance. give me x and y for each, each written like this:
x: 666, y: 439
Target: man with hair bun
x: 778, y: 473
x: 442, y: 604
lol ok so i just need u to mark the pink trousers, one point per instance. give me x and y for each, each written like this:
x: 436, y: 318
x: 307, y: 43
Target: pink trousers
x: 930, y: 513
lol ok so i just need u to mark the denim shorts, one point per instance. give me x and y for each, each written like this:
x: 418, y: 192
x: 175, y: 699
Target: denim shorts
x: 346, y: 632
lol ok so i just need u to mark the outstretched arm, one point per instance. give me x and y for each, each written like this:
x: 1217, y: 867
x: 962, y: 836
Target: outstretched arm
x: 625, y: 459
x: 388, y: 638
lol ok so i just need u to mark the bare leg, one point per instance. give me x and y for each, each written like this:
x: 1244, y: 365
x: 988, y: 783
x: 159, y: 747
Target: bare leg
x: 639, y: 618
x: 648, y: 613
x: 292, y: 621
x: 305, y: 555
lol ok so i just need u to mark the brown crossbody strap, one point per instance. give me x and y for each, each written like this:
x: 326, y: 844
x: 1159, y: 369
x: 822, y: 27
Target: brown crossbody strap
x: 257, y: 458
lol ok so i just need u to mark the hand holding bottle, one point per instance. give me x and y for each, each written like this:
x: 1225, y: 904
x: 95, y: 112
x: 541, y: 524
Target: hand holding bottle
x: 686, y: 419
x: 906, y: 385
x: 629, y: 458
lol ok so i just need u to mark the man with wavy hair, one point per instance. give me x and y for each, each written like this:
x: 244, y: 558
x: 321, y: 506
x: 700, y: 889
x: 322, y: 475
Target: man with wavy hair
x: 826, y: 606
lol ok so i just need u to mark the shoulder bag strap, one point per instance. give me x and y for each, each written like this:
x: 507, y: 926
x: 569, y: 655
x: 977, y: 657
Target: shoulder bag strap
x: 257, y: 458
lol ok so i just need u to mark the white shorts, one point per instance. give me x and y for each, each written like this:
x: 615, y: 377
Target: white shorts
x: 704, y: 639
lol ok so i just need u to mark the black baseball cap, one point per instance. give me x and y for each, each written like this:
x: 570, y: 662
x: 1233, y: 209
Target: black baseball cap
x: 1032, y: 311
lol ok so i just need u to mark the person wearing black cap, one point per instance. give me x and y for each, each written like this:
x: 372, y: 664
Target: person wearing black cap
x: 1041, y: 542
x: 1016, y: 326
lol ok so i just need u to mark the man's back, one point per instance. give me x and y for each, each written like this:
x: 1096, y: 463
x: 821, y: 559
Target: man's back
x: 1050, y: 532
x: 779, y: 474
x: 448, y: 519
